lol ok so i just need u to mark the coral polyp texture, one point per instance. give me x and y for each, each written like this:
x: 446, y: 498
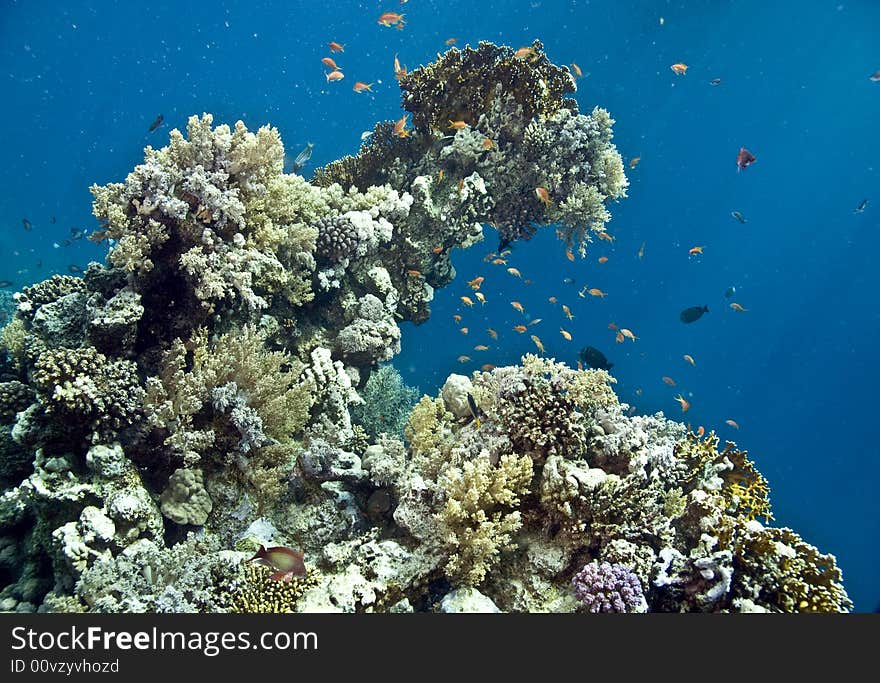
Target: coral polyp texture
x: 220, y: 387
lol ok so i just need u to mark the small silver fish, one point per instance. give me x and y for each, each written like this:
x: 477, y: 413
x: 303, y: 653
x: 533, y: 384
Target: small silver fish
x: 156, y: 123
x: 28, y: 226
x: 738, y: 216
x: 875, y: 76
x: 861, y: 207
x: 729, y: 292
x: 302, y: 158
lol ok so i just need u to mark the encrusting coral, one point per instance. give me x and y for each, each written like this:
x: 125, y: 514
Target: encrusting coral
x: 220, y: 384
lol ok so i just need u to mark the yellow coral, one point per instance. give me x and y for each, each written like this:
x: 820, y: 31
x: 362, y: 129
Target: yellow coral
x: 478, y: 518
x: 256, y: 593
x: 12, y: 339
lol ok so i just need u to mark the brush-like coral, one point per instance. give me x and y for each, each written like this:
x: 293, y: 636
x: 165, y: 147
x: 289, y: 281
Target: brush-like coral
x: 255, y: 592
x: 387, y: 402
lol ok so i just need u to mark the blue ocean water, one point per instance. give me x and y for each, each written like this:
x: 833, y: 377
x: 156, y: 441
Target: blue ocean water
x: 797, y: 371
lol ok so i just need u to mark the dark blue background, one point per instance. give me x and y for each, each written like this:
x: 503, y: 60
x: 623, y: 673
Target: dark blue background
x: 81, y: 82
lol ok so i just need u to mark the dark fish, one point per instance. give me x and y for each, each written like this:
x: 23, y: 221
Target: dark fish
x: 28, y: 226
x: 53, y: 220
x: 77, y: 234
x: 594, y: 358
x: 302, y: 158
x: 73, y: 268
x: 729, y: 292
x: 40, y: 263
x: 286, y: 562
x: 861, y: 207
x: 66, y: 243
x: 715, y: 81
x: 156, y: 123
x: 738, y: 216
x: 475, y: 410
x: 875, y: 76
x: 692, y: 314
x: 568, y: 280
x: 503, y: 243
x: 744, y: 158
x: 5, y: 283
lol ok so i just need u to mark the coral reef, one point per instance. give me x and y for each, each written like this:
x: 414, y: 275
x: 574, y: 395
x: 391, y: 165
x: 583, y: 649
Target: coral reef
x: 221, y: 384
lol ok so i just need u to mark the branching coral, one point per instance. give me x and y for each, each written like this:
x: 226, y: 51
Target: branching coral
x: 233, y: 397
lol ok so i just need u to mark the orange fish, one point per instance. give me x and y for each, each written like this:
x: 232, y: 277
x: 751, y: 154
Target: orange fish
x: 400, y: 127
x: 464, y: 359
x: 527, y: 281
x: 685, y: 406
x: 553, y: 300
x: 607, y: 236
x: 467, y: 301
x: 334, y: 76
x: 576, y: 70
x: 329, y: 63
x: 460, y: 185
x: 476, y: 282
x: 458, y: 125
x: 518, y: 306
x: 543, y: 195
x: 440, y: 176
x: 488, y: 144
x: 538, y: 343
x: 414, y: 273
x: 492, y: 333
x: 438, y: 250
x: 360, y: 86
x: 595, y: 291
x: 619, y: 337
x: 520, y: 328
x: 535, y: 321
x: 391, y: 19
x: 567, y: 311
x: 679, y: 68
x: 450, y: 41
x: 634, y: 162
x: 732, y: 423
x: 499, y: 262
x: 580, y: 366
x: 456, y: 318
x: 481, y: 347
x: 464, y: 330
x: 526, y: 53
x: 700, y: 431
x: 668, y: 381
x: 481, y: 298
x: 506, y: 252
x: 736, y: 307
x: 569, y: 255
x: 335, y: 47
x: 602, y: 259
x: 693, y: 251
x: 641, y: 252
x: 565, y: 334
x: 628, y: 334
x: 487, y: 367
x: 514, y: 272
x: 690, y: 359
x: 612, y: 326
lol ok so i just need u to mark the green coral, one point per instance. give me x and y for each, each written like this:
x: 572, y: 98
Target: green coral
x: 387, y: 402
x: 231, y: 397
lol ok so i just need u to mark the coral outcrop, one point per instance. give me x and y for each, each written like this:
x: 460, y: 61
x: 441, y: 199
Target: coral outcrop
x: 221, y: 384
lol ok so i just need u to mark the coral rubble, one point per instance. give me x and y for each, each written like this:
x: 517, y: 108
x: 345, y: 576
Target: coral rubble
x: 218, y: 385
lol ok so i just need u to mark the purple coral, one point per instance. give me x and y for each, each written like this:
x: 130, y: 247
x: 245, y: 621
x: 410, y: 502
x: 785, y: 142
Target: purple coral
x: 606, y: 587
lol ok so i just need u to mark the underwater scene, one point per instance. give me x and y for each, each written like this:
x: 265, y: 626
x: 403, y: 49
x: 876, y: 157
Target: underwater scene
x: 422, y: 306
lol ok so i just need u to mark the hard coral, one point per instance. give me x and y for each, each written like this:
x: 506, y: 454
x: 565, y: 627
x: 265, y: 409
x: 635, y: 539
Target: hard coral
x: 461, y: 84
x: 606, y: 587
